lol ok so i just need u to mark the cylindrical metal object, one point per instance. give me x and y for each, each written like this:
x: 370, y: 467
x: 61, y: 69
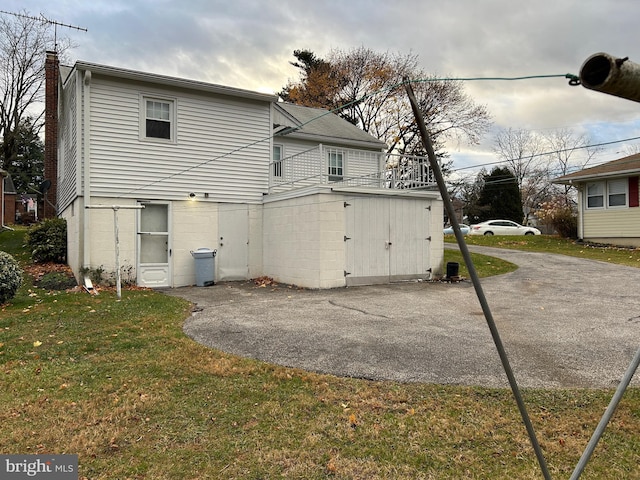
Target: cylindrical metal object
x: 616, y: 76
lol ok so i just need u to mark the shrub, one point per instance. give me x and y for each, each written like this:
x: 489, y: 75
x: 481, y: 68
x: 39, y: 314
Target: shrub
x: 56, y: 281
x: 48, y: 241
x: 559, y: 216
x: 566, y: 223
x: 10, y: 277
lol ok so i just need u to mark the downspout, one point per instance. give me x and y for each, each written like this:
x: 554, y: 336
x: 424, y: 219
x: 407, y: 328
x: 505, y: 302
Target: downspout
x: 581, y: 207
x: 86, y: 162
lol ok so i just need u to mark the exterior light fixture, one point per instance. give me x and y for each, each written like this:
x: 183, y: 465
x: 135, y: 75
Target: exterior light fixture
x: 192, y: 196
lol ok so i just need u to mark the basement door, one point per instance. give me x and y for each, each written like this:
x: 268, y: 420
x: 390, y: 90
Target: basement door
x: 387, y: 239
x: 154, y: 250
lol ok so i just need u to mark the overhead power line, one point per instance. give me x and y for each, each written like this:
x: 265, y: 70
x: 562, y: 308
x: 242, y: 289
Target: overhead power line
x: 572, y: 78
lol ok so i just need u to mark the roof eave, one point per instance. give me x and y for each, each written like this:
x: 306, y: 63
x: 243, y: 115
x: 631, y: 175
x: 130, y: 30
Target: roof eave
x: 596, y: 176
x: 173, y: 81
x: 377, y: 145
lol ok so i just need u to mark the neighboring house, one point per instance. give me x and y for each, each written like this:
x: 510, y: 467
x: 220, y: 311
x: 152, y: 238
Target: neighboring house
x: 608, y: 201
x: 182, y: 164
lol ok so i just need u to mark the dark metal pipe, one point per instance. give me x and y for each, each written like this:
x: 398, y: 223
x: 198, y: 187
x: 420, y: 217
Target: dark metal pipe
x: 466, y: 255
x: 616, y: 76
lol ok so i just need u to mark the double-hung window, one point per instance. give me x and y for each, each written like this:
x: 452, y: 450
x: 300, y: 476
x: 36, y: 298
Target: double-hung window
x: 158, y: 119
x: 595, y: 195
x: 607, y: 194
x: 335, y: 160
x: 277, y: 160
x: 617, y: 193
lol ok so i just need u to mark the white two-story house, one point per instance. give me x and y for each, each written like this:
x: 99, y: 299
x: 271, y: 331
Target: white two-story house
x: 277, y: 190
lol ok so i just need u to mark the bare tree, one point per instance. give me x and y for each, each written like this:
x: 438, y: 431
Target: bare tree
x: 522, y: 151
x: 568, y: 151
x: 23, y: 44
x: 368, y: 91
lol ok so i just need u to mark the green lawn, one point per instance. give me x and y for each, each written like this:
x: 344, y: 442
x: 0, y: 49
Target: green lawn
x: 553, y: 244
x: 119, y: 384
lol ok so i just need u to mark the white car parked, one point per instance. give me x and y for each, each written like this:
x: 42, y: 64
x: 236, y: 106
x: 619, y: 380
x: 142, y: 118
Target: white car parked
x: 465, y: 229
x: 502, y: 227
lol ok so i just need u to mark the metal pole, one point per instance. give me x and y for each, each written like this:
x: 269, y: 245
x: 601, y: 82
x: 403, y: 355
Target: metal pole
x: 426, y: 140
x: 613, y: 404
x: 115, y: 209
x: 115, y: 233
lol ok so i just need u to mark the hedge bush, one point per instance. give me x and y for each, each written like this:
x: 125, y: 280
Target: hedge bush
x: 48, y: 241
x: 10, y: 277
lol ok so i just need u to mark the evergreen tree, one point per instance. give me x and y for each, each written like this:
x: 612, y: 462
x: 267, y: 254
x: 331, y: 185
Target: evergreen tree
x: 500, y: 197
x: 26, y: 166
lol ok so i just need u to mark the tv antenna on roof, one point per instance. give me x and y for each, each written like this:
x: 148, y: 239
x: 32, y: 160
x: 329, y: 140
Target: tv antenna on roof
x: 44, y: 19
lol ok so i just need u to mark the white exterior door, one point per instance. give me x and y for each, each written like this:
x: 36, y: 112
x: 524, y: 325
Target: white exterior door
x: 387, y: 240
x: 154, y: 249
x: 233, y: 245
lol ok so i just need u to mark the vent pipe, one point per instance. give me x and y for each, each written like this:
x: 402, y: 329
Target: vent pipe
x: 616, y: 76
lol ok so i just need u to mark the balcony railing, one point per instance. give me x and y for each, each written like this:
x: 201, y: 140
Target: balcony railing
x: 360, y: 168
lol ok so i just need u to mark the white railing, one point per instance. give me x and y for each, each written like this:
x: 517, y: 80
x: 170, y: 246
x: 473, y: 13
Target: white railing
x: 366, y: 169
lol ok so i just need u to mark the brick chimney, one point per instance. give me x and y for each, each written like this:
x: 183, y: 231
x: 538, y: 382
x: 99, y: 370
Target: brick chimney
x: 52, y: 74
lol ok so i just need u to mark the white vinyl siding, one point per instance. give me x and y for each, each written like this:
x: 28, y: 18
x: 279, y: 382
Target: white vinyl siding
x: 303, y: 163
x: 69, y: 170
x: 221, y: 146
x: 612, y: 223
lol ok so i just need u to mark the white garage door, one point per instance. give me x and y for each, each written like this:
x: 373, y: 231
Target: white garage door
x: 387, y: 239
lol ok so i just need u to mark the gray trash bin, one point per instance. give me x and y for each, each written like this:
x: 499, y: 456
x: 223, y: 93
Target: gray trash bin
x: 205, y: 266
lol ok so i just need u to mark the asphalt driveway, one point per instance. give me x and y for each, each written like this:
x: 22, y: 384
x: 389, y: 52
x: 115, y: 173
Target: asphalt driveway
x: 565, y: 322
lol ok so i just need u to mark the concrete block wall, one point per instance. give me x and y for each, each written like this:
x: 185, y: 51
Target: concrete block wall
x: 102, y: 237
x: 194, y: 225
x: 304, y: 241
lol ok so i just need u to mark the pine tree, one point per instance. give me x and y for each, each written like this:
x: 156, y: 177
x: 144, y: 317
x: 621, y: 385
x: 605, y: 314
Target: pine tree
x: 500, y: 197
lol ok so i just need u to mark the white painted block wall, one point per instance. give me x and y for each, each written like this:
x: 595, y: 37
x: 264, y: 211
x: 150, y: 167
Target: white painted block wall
x: 304, y: 241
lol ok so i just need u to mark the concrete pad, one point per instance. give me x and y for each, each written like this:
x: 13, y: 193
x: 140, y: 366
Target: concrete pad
x: 565, y: 322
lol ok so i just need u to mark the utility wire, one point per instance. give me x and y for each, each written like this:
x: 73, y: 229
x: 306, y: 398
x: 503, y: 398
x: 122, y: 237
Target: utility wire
x: 571, y: 77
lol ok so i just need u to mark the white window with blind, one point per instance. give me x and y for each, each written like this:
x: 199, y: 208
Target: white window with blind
x: 617, y: 193
x: 595, y: 195
x: 609, y: 194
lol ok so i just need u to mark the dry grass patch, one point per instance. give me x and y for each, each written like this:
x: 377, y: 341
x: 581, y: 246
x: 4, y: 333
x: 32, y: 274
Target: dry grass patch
x: 119, y: 384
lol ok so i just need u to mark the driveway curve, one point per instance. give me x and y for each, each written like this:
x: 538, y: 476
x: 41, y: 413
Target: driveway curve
x: 564, y: 321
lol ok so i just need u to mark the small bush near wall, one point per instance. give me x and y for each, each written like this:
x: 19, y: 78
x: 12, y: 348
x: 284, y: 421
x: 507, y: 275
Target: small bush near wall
x: 48, y: 241
x: 560, y: 217
x: 10, y: 277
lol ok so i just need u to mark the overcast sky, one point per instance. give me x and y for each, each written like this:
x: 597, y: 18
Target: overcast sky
x: 249, y: 44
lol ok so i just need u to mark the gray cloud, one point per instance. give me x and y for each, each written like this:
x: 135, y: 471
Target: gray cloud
x: 249, y: 44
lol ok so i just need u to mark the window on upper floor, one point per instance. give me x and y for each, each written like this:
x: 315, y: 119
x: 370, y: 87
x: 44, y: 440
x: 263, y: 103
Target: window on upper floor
x: 607, y: 194
x: 277, y: 160
x: 157, y: 120
x: 335, y: 160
